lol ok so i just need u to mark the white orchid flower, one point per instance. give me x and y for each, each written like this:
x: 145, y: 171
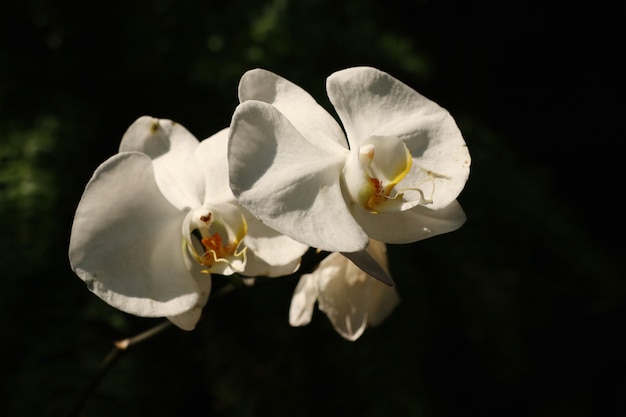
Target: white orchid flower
x: 351, y: 299
x: 158, y: 218
x: 394, y: 175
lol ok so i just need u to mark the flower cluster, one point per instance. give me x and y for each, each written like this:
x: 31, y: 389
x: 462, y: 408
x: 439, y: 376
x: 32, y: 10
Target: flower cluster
x: 167, y: 212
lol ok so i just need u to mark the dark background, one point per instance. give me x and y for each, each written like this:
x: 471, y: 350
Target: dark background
x: 519, y: 313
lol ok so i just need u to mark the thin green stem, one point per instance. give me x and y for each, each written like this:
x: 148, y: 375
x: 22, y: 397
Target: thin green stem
x: 124, y: 344
x: 111, y: 359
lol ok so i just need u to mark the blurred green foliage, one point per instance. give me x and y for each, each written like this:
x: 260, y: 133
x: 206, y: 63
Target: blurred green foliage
x: 519, y: 313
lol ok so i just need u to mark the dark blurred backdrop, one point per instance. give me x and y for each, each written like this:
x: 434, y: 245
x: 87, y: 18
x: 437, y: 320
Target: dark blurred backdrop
x: 519, y: 313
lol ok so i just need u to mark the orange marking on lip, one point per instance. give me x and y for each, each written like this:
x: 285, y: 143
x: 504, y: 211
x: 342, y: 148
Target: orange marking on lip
x: 214, y: 249
x: 377, y: 196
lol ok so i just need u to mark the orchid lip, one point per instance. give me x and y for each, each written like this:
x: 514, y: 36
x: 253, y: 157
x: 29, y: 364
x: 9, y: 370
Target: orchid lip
x: 213, y: 237
x: 373, y: 170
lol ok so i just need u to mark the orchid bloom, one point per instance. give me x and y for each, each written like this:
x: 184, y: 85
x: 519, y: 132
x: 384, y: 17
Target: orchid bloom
x: 158, y: 218
x: 393, y: 176
x: 351, y: 299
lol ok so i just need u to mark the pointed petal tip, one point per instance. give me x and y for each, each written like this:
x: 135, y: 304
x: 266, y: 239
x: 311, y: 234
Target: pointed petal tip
x: 368, y: 264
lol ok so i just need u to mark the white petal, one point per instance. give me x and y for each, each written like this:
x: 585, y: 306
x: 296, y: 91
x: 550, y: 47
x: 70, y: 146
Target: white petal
x: 270, y: 253
x: 411, y: 225
x: 370, y: 102
x: 189, y: 319
x: 172, y: 149
x: 308, y: 117
x: 351, y: 299
x: 126, y: 241
x: 289, y: 184
x: 343, y: 295
x: 303, y: 301
x: 383, y: 298
x: 211, y: 155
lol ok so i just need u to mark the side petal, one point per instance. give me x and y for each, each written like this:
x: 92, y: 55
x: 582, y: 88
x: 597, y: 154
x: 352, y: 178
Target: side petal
x: 308, y: 117
x: 411, y: 225
x: 289, y: 184
x: 172, y: 149
x: 343, y: 295
x: 270, y: 253
x: 303, y: 301
x: 126, y: 241
x: 370, y: 102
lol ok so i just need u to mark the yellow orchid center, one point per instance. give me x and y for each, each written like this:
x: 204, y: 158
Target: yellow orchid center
x: 216, y: 249
x: 372, y: 172
x: 214, y: 236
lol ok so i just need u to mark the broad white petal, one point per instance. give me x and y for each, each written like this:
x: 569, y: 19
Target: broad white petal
x: 270, y: 253
x: 172, y: 149
x: 303, y: 301
x: 289, y: 184
x: 189, y: 319
x: 211, y: 155
x: 126, y: 241
x: 309, y: 118
x: 370, y: 102
x: 411, y: 225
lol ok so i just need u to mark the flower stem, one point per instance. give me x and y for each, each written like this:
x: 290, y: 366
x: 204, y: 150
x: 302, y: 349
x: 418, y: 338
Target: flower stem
x: 124, y: 344
x: 110, y: 360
